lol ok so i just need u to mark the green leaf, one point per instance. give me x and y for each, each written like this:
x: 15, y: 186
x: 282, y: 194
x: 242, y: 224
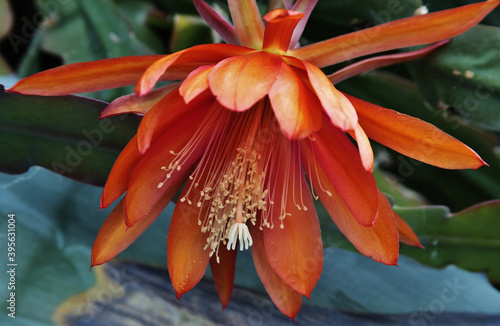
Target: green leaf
x: 111, y: 29
x: 469, y: 239
x: 63, y: 134
x: 189, y: 31
x: 56, y: 222
x: 399, y: 194
x: 79, y: 31
x: 464, y: 76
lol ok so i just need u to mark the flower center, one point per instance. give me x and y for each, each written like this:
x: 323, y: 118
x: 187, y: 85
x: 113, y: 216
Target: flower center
x: 244, y: 175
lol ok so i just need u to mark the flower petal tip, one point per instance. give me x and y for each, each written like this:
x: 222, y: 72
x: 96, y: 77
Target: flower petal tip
x: 95, y: 262
x: 483, y: 163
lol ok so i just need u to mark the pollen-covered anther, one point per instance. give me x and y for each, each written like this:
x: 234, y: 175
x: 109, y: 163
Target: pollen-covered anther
x: 239, y: 231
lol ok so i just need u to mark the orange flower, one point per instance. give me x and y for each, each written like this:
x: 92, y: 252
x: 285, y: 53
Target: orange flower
x: 243, y: 125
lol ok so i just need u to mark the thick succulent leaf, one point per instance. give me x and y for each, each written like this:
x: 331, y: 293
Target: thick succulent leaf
x: 112, y: 29
x: 63, y: 134
x: 84, y: 31
x: 468, y: 239
x: 57, y: 220
x: 464, y: 76
x: 396, y: 192
x: 189, y: 31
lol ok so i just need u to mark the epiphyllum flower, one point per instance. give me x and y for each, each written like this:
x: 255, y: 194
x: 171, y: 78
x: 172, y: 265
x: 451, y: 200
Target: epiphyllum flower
x: 246, y: 121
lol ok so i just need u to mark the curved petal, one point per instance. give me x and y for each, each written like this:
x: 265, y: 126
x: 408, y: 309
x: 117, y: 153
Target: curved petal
x: 380, y: 241
x: 306, y: 7
x: 223, y: 273
x: 340, y: 111
x: 414, y: 138
x: 247, y: 21
x: 406, y: 234
x: 196, y: 83
x: 199, y: 55
x: 382, y: 61
x: 280, y: 24
x: 296, y: 108
x: 239, y: 82
x: 186, y: 257
x: 135, y: 104
x: 364, y: 147
x: 144, y: 188
x: 114, y: 236
x: 86, y: 76
x: 342, y: 164
x: 119, y: 176
x: 294, y: 250
x: 412, y: 31
x: 284, y: 297
x: 219, y: 24
x: 167, y: 112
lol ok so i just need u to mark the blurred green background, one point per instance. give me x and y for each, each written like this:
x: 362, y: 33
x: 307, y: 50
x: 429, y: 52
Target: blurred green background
x: 455, y: 213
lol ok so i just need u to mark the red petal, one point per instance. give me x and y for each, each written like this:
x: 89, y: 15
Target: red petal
x: 296, y: 108
x: 119, y: 176
x: 143, y: 191
x: 414, y: 137
x: 239, y: 82
x: 187, y: 260
x: 114, y: 236
x: 135, y: 104
x: 196, y: 56
x: 379, y: 241
x: 340, y: 111
x: 195, y: 84
x: 382, y: 61
x: 416, y: 30
x: 406, y: 234
x: 280, y: 24
x: 295, y: 252
x: 342, y: 164
x: 284, y: 297
x: 306, y: 7
x: 364, y: 147
x: 86, y: 76
x: 223, y: 273
x: 166, y: 113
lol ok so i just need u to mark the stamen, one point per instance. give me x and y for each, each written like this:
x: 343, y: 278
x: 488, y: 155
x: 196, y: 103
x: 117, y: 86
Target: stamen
x: 233, y: 182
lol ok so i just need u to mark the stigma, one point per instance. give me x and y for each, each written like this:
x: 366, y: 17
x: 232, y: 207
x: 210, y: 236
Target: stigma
x: 239, y: 231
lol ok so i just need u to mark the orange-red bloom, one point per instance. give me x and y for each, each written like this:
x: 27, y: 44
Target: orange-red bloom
x: 245, y: 122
